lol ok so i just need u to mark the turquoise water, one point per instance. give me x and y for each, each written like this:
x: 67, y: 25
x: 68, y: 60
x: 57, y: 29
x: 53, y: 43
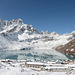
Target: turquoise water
x: 34, y: 54
x: 70, y: 56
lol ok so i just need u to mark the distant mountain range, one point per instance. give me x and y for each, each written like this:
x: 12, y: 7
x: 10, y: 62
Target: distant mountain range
x: 15, y: 35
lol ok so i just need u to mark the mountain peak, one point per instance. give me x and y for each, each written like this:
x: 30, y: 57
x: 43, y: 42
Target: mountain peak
x: 19, y: 19
x: 23, y: 35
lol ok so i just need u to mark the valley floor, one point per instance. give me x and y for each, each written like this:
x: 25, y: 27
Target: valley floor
x: 27, y: 71
x: 18, y: 68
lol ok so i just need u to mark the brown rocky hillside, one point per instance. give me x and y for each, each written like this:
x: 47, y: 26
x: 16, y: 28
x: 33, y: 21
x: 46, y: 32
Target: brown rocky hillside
x: 67, y: 48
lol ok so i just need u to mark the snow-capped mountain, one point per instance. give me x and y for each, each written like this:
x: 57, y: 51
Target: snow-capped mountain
x: 14, y: 35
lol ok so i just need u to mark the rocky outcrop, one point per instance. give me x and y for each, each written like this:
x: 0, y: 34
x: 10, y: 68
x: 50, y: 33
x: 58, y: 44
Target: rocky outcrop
x: 67, y: 48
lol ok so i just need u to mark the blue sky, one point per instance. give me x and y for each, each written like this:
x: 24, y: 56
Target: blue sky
x: 51, y: 15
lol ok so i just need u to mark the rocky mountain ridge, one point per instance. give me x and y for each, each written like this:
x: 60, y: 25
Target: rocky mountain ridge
x: 15, y: 35
x: 67, y: 48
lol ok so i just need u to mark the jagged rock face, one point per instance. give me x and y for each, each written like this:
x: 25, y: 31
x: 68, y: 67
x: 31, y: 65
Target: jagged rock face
x: 5, y: 23
x: 67, y: 48
x: 16, y: 26
x: 11, y: 29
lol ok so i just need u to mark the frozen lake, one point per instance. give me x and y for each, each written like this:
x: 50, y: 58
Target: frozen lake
x: 34, y: 54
